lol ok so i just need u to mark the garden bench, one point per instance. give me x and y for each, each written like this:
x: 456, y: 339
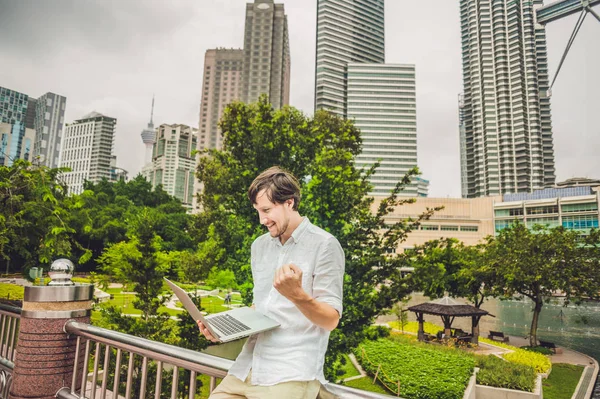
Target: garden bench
x: 497, y: 336
x: 548, y: 345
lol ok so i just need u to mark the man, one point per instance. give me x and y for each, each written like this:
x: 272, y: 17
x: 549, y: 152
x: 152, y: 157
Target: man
x: 298, y: 273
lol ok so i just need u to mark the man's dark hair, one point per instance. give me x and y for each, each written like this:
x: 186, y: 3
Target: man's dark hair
x: 279, y: 185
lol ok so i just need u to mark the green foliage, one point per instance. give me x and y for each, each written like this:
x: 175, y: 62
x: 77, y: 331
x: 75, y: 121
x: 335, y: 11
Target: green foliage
x: 34, y: 227
x: 447, y: 266
x: 399, y: 310
x: 320, y: 151
x: 539, y: 362
x: 221, y: 278
x: 11, y: 291
x: 422, y: 372
x: 562, y: 381
x: 536, y: 263
x: 495, y: 372
x: 413, y: 327
x: 140, y: 262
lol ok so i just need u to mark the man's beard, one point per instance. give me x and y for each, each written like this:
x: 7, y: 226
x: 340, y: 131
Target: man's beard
x: 282, y: 230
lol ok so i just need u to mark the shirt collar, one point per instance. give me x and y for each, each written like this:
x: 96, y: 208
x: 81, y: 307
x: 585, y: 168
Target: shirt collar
x: 298, y: 232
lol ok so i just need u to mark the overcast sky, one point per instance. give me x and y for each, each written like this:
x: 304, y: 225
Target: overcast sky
x: 111, y: 56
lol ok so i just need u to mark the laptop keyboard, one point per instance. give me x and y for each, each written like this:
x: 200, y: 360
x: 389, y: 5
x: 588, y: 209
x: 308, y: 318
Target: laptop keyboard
x: 227, y: 324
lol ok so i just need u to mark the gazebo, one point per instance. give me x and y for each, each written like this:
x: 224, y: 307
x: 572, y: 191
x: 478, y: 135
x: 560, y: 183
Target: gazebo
x: 447, y: 308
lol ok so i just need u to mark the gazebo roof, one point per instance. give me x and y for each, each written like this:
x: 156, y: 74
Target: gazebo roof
x: 447, y: 307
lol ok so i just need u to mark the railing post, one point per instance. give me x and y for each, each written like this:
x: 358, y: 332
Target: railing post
x: 45, y: 353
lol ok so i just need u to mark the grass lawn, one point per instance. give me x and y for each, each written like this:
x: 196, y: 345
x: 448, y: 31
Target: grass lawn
x: 348, y: 369
x: 366, y: 384
x: 125, y: 303
x: 11, y: 291
x: 562, y: 381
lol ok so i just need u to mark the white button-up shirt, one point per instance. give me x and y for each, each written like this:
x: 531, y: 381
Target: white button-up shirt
x: 295, y: 351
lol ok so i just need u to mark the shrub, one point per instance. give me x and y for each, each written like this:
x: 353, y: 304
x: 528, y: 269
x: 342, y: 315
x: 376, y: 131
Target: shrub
x: 539, y: 362
x: 373, y: 333
x: 495, y: 372
x: 422, y: 372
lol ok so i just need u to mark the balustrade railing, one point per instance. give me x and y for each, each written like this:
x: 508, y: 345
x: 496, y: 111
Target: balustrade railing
x: 9, y: 331
x: 112, y: 365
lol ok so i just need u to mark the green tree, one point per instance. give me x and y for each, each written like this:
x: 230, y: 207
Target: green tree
x: 401, y: 312
x: 541, y: 262
x: 320, y: 151
x: 448, y: 267
x: 33, y: 221
x: 141, y: 262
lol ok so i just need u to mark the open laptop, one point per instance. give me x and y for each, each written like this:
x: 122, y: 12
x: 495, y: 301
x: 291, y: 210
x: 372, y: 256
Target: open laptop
x: 226, y: 326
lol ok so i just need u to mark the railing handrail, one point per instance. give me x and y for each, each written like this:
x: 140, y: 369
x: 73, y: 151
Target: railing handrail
x: 199, y: 362
x: 4, y: 308
x: 191, y: 360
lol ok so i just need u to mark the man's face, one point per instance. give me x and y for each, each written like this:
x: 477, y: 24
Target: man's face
x: 276, y: 217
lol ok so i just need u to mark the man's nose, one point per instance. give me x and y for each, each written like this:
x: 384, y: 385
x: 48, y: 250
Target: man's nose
x: 263, y: 220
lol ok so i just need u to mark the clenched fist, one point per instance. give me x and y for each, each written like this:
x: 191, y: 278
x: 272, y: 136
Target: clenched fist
x: 288, y: 281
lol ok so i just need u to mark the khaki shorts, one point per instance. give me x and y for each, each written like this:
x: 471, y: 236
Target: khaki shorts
x: 234, y: 388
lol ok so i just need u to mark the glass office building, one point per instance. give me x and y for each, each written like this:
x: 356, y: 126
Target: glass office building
x: 506, y: 130
x: 348, y: 31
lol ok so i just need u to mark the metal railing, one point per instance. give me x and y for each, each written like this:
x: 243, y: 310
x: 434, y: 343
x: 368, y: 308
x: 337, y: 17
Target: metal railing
x: 114, y: 365
x: 141, y: 368
x: 9, y: 331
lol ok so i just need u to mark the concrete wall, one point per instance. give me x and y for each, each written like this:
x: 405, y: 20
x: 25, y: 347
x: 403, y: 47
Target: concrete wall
x: 485, y: 392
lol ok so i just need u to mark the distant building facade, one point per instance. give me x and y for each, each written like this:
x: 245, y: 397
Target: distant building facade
x: 348, y: 31
x: 10, y: 135
x: 574, y: 208
x: 221, y: 85
x: 469, y: 220
x: 48, y: 124
x: 17, y: 111
x: 173, y: 165
x: 382, y: 103
x: 88, y: 150
x: 506, y: 107
x: 267, y: 62
x: 45, y: 116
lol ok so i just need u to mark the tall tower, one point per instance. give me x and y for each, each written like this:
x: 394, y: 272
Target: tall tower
x: 348, y: 31
x: 87, y: 150
x: 48, y: 124
x: 507, y: 121
x: 266, y: 53
x: 149, y: 136
x: 382, y: 103
x: 221, y: 85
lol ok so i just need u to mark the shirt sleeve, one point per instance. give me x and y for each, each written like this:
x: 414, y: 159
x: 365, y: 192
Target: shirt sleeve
x: 328, y: 279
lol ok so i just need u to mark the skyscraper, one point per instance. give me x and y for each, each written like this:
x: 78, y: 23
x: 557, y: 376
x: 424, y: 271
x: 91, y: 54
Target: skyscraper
x: 506, y: 112
x: 149, y: 136
x: 382, y: 103
x: 222, y: 85
x: 348, y: 31
x: 87, y: 150
x: 266, y: 53
x: 48, y: 123
x: 173, y: 165
x: 17, y: 111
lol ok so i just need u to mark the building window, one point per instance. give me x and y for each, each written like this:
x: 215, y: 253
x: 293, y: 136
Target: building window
x: 449, y: 228
x: 430, y: 227
x: 470, y: 228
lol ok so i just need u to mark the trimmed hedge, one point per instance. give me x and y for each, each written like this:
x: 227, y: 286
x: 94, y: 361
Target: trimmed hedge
x: 422, y: 372
x: 495, y: 372
x: 540, y: 363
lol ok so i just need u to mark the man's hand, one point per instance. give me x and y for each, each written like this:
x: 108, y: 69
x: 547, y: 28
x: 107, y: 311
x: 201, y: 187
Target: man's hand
x: 288, y: 281
x: 206, y: 333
